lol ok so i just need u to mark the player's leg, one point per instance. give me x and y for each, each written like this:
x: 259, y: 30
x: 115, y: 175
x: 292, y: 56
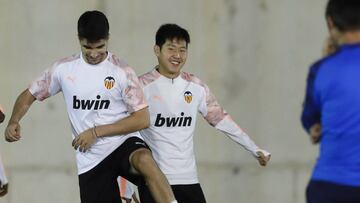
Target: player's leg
x: 145, y: 194
x: 143, y: 162
x: 140, y: 165
x: 189, y: 193
x: 99, y: 184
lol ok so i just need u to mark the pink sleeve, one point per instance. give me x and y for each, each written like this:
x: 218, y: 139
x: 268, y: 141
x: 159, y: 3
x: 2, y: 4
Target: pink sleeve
x: 48, y: 83
x: 209, y: 107
x: 45, y: 85
x: 133, y: 93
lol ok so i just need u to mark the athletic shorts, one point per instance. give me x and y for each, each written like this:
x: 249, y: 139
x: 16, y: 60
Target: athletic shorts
x: 327, y: 192
x: 100, y: 183
x: 183, y: 193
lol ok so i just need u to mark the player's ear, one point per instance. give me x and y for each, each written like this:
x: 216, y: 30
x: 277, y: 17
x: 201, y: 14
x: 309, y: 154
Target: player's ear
x: 330, y: 23
x: 157, y: 50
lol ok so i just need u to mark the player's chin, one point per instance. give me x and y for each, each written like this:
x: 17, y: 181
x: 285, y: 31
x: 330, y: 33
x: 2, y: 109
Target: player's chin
x: 94, y: 62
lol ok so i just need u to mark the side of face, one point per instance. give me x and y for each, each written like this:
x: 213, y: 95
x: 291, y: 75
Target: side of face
x: 334, y: 32
x: 172, y: 56
x: 94, y: 52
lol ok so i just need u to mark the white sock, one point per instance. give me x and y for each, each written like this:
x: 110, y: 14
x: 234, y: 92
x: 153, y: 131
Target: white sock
x: 174, y: 201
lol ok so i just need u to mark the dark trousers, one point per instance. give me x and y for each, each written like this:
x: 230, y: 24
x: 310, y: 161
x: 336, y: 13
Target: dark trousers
x: 183, y: 193
x: 99, y: 185
x: 327, y: 192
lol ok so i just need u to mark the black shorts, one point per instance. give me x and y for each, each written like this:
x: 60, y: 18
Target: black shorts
x: 327, y: 192
x: 183, y: 193
x: 100, y: 183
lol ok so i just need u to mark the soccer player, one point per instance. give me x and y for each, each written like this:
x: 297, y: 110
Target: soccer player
x: 331, y: 113
x: 175, y: 98
x: 3, y: 179
x: 106, y: 108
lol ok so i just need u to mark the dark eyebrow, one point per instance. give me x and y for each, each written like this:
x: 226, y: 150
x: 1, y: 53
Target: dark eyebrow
x: 172, y: 45
x: 100, y: 46
x: 89, y: 47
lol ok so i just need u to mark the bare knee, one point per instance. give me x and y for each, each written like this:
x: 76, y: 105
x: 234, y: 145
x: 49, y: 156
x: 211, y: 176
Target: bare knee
x: 141, y: 160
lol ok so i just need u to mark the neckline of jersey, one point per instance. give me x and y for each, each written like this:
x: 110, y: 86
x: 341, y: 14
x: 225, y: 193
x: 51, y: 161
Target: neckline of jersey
x: 171, y: 80
x: 99, y: 64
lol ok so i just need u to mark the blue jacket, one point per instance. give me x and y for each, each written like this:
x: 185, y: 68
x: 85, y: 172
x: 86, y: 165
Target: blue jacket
x: 333, y: 99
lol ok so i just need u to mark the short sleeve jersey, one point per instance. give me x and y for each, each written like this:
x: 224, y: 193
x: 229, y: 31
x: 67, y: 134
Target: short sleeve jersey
x: 94, y: 95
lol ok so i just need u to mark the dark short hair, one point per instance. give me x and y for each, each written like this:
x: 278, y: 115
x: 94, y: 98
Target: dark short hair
x: 171, y: 32
x: 344, y: 13
x: 93, y: 26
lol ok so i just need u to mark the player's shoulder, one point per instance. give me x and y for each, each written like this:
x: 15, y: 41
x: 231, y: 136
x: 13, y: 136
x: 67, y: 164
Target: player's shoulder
x: 149, y: 77
x: 120, y: 65
x: 327, y: 61
x: 67, y: 59
x: 193, y: 79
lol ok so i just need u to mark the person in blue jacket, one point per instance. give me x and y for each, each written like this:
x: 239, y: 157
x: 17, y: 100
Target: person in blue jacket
x: 331, y: 113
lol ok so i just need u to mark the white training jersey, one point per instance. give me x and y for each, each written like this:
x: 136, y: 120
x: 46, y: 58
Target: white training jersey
x: 3, y: 179
x: 173, y: 106
x: 94, y: 95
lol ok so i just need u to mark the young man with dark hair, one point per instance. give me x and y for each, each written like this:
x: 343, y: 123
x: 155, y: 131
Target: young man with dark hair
x: 106, y: 108
x: 175, y: 98
x: 3, y: 179
x: 331, y: 113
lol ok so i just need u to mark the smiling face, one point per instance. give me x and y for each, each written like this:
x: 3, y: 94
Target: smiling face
x: 94, y: 52
x: 171, y: 56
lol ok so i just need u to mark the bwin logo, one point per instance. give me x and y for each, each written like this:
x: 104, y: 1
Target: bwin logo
x: 173, y: 121
x: 90, y: 104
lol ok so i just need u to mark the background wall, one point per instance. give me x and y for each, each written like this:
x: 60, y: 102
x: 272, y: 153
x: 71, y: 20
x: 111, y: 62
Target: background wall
x: 254, y: 55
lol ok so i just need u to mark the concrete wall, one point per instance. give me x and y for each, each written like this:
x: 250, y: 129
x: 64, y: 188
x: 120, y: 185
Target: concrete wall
x: 254, y: 55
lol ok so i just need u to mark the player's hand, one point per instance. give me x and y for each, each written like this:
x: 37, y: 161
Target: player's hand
x: 12, y: 132
x: 263, y: 157
x: 315, y: 133
x: 3, y: 190
x: 85, y: 140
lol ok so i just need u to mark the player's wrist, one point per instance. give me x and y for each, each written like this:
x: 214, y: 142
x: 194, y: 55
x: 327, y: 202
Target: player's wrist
x: 13, y: 121
x: 94, y: 132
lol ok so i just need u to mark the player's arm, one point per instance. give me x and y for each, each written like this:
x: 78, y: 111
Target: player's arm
x: 136, y: 121
x: 315, y: 133
x: 311, y: 114
x: 234, y: 132
x: 22, y: 104
x: 217, y: 117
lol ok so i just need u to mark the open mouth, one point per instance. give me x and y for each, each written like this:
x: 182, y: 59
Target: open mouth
x: 175, y: 62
